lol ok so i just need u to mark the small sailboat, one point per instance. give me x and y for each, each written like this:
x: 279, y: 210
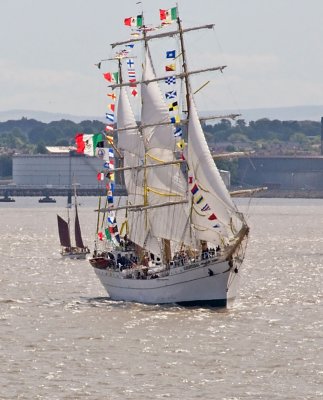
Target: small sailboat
x: 78, y: 251
x: 185, y: 238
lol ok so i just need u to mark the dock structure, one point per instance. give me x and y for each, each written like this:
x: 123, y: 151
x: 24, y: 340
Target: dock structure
x: 50, y: 191
x: 50, y: 175
x: 285, y: 176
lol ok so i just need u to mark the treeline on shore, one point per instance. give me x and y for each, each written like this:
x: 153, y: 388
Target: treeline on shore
x: 29, y: 136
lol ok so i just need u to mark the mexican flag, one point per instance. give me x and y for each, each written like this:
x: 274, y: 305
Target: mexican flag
x: 111, y: 77
x: 87, y: 144
x: 133, y: 21
x: 168, y: 16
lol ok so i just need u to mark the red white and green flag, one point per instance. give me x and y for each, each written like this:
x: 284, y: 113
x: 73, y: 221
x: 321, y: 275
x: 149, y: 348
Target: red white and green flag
x: 133, y: 21
x: 168, y: 16
x: 111, y: 76
x: 87, y: 144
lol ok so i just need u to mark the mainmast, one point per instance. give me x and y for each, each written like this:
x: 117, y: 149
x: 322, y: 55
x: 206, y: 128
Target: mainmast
x: 183, y: 53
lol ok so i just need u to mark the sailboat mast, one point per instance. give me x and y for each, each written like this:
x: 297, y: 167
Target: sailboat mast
x: 120, y: 158
x: 145, y: 157
x: 183, y: 52
x: 69, y: 194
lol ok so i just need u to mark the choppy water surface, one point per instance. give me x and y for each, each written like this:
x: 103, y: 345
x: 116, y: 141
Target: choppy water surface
x: 61, y: 337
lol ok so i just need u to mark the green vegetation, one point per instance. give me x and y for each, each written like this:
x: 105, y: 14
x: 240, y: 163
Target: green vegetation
x: 28, y: 136
x: 25, y: 134
x: 262, y: 130
x: 264, y: 136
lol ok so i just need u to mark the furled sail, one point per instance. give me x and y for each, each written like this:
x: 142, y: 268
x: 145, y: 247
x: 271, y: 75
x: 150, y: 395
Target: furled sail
x: 63, y: 231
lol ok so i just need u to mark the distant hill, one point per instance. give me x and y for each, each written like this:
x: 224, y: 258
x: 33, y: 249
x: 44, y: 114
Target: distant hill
x: 43, y: 116
x: 296, y: 113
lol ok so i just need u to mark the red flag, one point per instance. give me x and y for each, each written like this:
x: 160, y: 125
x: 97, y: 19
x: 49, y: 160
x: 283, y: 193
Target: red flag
x: 108, y: 76
x: 162, y: 14
x: 100, y: 176
x: 100, y: 235
x: 212, y: 217
x: 132, y: 84
x: 80, y: 145
x: 170, y: 67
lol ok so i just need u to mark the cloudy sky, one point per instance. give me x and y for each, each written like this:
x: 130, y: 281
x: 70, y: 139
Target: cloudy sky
x: 273, y: 49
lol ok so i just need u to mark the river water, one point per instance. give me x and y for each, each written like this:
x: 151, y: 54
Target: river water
x: 61, y: 337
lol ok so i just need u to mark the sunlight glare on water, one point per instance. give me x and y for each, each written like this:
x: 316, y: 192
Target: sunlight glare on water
x: 62, y: 338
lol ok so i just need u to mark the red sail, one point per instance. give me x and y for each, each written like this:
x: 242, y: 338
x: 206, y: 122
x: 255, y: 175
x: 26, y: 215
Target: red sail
x: 78, y: 235
x: 64, y: 235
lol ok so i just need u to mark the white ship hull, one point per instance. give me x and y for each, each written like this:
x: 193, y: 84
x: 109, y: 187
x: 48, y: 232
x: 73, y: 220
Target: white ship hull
x: 210, y: 282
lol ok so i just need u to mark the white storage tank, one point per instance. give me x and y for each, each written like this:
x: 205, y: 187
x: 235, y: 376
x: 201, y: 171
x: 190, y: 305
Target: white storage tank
x: 56, y: 169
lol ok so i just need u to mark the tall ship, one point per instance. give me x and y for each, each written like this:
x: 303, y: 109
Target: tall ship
x: 178, y: 237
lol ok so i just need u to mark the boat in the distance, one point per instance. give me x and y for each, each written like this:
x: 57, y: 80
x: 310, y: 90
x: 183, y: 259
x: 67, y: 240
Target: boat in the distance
x: 184, y: 239
x: 78, y: 250
x: 46, y: 199
x: 7, y: 198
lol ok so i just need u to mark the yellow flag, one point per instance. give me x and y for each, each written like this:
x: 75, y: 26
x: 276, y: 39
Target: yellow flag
x: 181, y: 144
x: 109, y: 139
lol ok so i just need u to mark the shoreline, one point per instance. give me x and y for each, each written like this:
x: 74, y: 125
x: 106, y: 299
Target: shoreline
x: 289, y: 194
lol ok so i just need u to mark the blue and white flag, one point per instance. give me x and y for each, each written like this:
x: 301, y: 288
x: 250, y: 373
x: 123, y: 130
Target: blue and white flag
x: 110, y: 117
x: 111, y: 153
x: 132, y: 73
x: 171, y: 54
x: 171, y: 95
x: 171, y: 80
x: 178, y: 132
x: 102, y: 153
x: 111, y: 219
x: 130, y: 63
x: 206, y: 208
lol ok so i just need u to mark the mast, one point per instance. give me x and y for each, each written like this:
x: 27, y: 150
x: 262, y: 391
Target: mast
x: 69, y: 194
x: 187, y: 86
x: 121, y: 160
x: 145, y: 158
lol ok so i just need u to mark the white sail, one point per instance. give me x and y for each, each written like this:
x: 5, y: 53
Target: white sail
x: 131, y: 143
x: 166, y: 183
x: 214, y: 215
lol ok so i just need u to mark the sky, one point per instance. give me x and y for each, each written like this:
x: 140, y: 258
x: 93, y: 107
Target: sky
x: 273, y: 50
